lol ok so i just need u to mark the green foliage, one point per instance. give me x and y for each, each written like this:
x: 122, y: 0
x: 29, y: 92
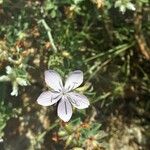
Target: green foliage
x: 78, y: 134
x: 101, y: 38
x: 5, y: 114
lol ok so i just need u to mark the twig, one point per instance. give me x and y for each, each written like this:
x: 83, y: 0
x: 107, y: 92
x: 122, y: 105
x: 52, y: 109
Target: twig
x: 48, y: 29
x: 143, y: 47
x: 16, y: 62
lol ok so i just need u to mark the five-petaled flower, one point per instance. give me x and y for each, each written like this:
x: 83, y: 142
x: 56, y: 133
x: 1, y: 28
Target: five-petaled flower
x: 63, y: 94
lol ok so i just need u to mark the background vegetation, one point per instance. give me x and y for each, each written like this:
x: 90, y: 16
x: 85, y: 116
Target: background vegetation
x: 108, y: 40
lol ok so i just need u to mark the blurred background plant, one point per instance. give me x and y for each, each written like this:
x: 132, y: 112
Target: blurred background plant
x: 107, y: 40
x: 82, y: 135
x: 5, y: 115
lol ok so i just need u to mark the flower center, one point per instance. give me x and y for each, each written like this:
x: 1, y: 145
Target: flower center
x: 63, y: 92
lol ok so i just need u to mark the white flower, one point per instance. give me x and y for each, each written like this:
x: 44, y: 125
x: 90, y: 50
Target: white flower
x: 9, y: 70
x: 1, y: 140
x: 63, y: 94
x: 15, y: 89
x: 131, y: 6
x: 22, y: 81
x: 15, y: 79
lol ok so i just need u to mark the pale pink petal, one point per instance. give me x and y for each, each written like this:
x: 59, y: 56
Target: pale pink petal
x: 48, y: 98
x: 64, y: 110
x: 78, y: 100
x: 74, y: 80
x: 53, y: 80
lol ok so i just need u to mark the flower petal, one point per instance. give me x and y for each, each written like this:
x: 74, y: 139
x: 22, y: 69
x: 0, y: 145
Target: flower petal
x: 64, y: 110
x: 53, y: 79
x: 48, y: 98
x: 74, y: 80
x: 77, y: 100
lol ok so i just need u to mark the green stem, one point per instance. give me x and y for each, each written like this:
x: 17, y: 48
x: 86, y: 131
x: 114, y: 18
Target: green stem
x: 117, y: 50
x: 48, y: 29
